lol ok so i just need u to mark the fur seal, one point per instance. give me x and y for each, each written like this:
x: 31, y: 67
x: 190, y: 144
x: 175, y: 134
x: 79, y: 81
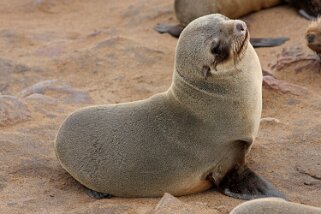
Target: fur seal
x: 275, y: 206
x: 313, y: 36
x: 185, y: 140
x: 186, y: 11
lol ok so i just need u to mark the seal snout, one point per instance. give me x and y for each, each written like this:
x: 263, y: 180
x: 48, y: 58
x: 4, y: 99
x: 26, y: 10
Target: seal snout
x: 240, y: 27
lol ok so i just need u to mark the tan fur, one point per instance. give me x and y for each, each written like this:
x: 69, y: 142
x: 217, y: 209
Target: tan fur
x: 187, y: 10
x: 174, y: 140
x: 275, y: 206
x: 315, y: 30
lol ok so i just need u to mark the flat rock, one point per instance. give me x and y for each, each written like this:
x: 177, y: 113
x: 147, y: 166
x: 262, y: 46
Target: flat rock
x: 58, y: 90
x: 40, y: 98
x: 270, y: 120
x: 12, y: 110
x: 284, y: 87
x: 170, y: 205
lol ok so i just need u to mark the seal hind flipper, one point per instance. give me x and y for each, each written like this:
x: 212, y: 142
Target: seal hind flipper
x: 173, y: 30
x: 243, y: 183
x: 306, y: 15
x: 268, y: 42
x: 97, y: 195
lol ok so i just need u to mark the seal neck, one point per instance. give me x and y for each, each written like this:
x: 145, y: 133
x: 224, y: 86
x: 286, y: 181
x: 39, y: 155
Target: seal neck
x: 200, y: 98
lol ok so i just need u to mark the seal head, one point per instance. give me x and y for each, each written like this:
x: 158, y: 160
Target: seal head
x: 217, y: 41
x: 313, y: 36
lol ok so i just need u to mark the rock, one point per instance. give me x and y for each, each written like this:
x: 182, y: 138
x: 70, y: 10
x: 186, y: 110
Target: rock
x: 51, y: 51
x: 40, y: 98
x: 312, y: 172
x: 294, y: 55
x: 284, y: 87
x: 270, y: 120
x: 170, y: 205
x: 58, y: 90
x: 43, y: 104
x: 12, y: 110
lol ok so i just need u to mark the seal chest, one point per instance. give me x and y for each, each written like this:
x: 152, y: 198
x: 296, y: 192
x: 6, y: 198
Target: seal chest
x: 182, y: 141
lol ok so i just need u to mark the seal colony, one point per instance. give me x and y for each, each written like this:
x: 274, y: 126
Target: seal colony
x: 186, y: 140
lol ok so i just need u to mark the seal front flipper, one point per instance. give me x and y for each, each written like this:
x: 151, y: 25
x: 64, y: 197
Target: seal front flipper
x: 173, y: 30
x: 97, y: 195
x: 268, y: 42
x: 243, y: 183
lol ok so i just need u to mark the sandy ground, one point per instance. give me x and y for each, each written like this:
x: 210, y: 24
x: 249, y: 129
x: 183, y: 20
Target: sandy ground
x: 108, y: 52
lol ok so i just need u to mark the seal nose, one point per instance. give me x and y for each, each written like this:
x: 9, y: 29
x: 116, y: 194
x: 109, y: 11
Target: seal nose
x: 239, y: 27
x: 310, y: 38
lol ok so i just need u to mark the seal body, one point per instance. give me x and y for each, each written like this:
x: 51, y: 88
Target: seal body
x: 187, y: 10
x: 184, y: 140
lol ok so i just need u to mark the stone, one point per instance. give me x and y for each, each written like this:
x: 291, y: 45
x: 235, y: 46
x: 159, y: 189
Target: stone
x: 58, y: 90
x: 12, y: 110
x: 172, y: 205
x: 285, y: 87
x: 270, y: 120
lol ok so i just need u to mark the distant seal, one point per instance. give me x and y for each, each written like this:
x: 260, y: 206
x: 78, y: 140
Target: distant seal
x: 186, y: 10
x: 185, y: 140
x: 313, y: 36
x: 275, y: 206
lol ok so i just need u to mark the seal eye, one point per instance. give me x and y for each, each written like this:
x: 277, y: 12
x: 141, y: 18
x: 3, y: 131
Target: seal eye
x: 220, y: 50
x: 216, y: 49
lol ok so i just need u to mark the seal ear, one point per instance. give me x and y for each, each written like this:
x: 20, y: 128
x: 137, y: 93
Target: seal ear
x: 206, y: 71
